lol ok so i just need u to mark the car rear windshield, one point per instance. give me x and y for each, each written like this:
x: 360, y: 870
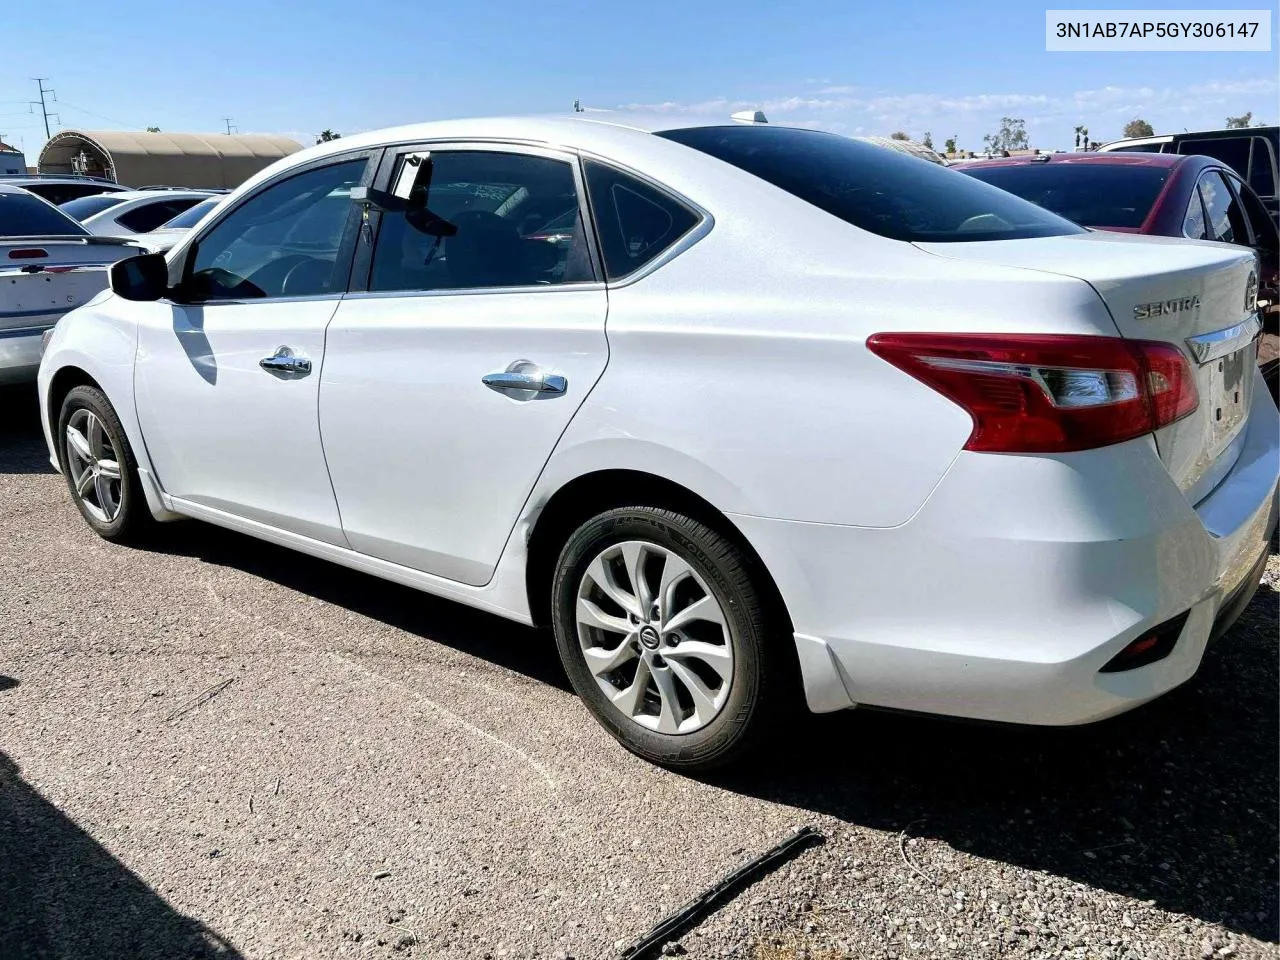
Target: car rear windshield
x: 25, y: 215
x: 86, y: 207
x: 1092, y: 194
x: 886, y: 192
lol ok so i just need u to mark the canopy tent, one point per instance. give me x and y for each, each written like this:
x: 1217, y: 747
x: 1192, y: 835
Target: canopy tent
x: 211, y: 160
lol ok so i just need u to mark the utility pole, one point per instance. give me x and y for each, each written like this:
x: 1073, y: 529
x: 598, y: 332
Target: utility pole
x: 44, y: 110
x: 227, y: 121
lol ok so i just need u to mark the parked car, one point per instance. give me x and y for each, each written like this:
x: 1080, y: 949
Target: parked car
x: 161, y: 239
x: 1165, y: 195
x: 48, y: 265
x: 1252, y: 152
x: 900, y: 454
x: 131, y: 211
x: 59, y: 190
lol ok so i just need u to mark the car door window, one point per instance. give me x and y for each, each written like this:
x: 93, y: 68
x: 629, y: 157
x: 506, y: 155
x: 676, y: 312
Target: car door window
x: 1226, y: 218
x: 1260, y: 222
x: 635, y: 221
x: 1262, y: 168
x: 149, y: 216
x: 483, y: 219
x: 1194, y: 224
x: 281, y: 242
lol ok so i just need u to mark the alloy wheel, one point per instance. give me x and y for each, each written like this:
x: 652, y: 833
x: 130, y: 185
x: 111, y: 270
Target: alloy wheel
x: 93, y: 464
x: 654, y: 637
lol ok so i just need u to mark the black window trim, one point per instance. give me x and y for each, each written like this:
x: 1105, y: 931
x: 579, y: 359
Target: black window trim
x: 362, y: 268
x: 178, y: 272
x: 703, y: 226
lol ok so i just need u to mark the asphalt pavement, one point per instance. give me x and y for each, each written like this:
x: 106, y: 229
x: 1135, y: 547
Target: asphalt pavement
x: 214, y: 747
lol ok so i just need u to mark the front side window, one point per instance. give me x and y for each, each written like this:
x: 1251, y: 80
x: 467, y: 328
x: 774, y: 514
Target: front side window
x: 883, y: 191
x: 1115, y: 194
x: 1262, y: 168
x: 480, y: 219
x: 281, y: 242
x: 634, y: 221
x: 1265, y: 236
x: 1226, y: 218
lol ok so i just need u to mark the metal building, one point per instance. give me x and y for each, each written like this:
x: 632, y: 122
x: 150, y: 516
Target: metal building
x: 211, y: 160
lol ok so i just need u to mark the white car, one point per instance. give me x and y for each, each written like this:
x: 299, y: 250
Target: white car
x: 752, y: 416
x: 48, y: 265
x: 131, y: 211
x: 163, y: 237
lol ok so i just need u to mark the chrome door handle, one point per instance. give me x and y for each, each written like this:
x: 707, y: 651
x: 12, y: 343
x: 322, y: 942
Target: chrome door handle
x: 284, y: 364
x: 524, y: 376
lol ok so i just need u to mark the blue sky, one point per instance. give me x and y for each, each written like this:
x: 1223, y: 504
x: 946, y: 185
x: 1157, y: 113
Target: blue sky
x: 298, y: 67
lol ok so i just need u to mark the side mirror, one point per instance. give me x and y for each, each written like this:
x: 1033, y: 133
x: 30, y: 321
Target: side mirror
x: 144, y: 277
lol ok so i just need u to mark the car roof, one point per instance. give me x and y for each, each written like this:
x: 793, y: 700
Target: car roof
x: 1166, y: 160
x: 127, y: 195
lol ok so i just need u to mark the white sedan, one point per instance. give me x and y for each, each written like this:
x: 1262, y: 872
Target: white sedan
x: 131, y: 212
x: 751, y: 416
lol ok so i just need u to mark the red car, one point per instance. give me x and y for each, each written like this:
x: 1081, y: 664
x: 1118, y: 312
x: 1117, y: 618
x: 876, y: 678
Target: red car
x: 1162, y: 194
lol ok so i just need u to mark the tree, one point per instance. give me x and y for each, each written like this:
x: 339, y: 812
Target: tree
x: 928, y: 140
x: 1011, y: 136
x: 1139, y: 128
x: 1234, y: 123
x: 950, y: 144
x: 153, y: 129
x: 898, y: 135
x: 1082, y: 137
x: 327, y: 135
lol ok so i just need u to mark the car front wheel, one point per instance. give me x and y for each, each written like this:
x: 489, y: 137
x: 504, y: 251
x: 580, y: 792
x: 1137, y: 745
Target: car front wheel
x: 666, y: 637
x: 99, y: 466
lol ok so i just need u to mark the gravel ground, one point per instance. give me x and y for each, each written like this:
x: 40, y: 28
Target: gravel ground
x: 217, y: 748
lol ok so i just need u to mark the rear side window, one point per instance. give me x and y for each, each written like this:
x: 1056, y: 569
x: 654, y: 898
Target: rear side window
x: 1233, y: 151
x: 1193, y: 224
x: 194, y: 215
x: 886, y: 192
x: 1226, y: 218
x: 24, y: 215
x: 635, y: 222
x: 86, y: 207
x: 1094, y: 194
x: 1262, y: 171
x: 60, y: 193
x: 147, y: 217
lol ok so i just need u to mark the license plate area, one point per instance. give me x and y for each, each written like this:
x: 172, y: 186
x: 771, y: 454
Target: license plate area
x: 1227, y: 398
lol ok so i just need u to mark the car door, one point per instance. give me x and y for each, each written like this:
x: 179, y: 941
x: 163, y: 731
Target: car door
x: 228, y: 369
x: 451, y: 375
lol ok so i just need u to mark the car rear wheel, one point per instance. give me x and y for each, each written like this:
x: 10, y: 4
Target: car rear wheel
x: 99, y: 466
x: 665, y: 635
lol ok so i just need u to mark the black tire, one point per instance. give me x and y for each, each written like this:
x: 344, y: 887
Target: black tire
x: 133, y: 518
x: 764, y: 687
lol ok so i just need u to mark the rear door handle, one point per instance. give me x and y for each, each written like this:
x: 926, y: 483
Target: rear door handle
x: 285, y: 365
x: 525, y: 376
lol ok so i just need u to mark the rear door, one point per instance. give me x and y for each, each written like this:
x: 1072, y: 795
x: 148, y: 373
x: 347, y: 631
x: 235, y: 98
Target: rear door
x: 450, y: 377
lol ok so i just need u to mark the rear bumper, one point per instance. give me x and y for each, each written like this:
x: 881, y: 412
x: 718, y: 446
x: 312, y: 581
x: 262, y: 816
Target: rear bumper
x: 1021, y: 577
x: 20, y: 350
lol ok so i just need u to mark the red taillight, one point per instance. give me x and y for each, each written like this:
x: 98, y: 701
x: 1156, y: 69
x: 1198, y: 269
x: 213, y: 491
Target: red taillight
x: 28, y: 253
x: 1048, y: 394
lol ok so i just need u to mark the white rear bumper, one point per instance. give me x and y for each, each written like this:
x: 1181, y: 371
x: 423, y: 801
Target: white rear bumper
x: 1020, y: 578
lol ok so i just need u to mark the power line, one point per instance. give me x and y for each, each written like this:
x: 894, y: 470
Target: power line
x: 68, y: 103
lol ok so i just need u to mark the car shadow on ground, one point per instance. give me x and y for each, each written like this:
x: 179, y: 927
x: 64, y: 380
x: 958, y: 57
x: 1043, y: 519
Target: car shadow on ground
x: 22, y: 446
x: 63, y: 895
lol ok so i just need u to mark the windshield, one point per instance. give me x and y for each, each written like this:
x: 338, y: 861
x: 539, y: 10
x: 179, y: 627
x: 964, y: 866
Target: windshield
x: 25, y: 215
x: 1092, y: 194
x: 191, y: 216
x: 86, y: 207
x: 884, y: 191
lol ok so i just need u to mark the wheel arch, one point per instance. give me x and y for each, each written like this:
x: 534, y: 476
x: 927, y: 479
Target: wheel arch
x: 64, y: 380
x: 592, y: 493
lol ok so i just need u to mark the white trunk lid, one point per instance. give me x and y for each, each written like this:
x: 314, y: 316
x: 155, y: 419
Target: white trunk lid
x: 1191, y: 294
x: 42, y: 278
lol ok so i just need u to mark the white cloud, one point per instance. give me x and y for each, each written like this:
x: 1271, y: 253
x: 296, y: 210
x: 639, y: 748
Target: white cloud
x: 1050, y: 118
